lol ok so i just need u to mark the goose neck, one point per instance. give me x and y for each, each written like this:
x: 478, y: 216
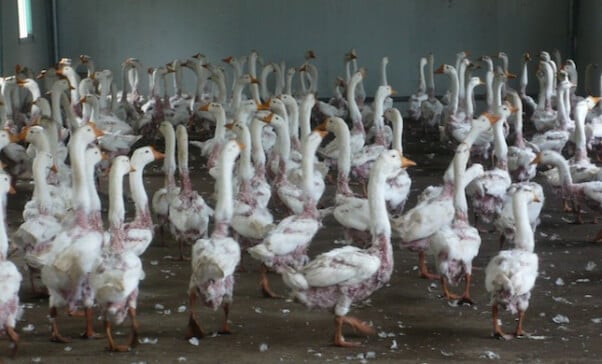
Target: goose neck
x: 524, y: 239
x: 379, y: 218
x: 116, y: 204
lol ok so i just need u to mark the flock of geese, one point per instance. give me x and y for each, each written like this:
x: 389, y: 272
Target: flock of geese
x: 264, y: 155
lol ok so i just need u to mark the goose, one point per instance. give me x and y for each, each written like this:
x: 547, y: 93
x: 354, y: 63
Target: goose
x: 358, y: 133
x: 139, y: 233
x: 398, y: 186
x: 251, y: 220
x: 580, y: 194
x: 510, y: 275
x: 118, y: 272
x: 211, y: 148
x: 42, y: 217
x: 214, y: 259
x: 237, y: 68
x: 431, y: 109
x: 76, y: 248
x: 287, y: 243
x: 362, y: 160
x: 165, y: 195
x: 452, y: 117
x: 487, y: 192
x: 188, y: 212
x: 544, y: 117
x: 342, y: 276
x: 528, y: 104
x: 416, y: 99
x: 454, y: 246
x: 11, y: 277
x: 505, y: 222
x: 417, y: 225
x: 520, y: 154
x: 260, y: 189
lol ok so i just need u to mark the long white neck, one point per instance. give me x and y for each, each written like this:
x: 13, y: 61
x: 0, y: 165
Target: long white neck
x: 497, y: 98
x: 563, y: 169
x: 469, y: 99
x: 41, y: 192
x: 549, y: 82
x: 489, y: 76
x: 258, y: 154
x: 220, y: 123
x: 283, y: 142
x: 289, y: 83
x: 524, y: 239
x: 383, y: 73
x: 379, y: 122
x: 354, y: 111
x: 431, y: 75
x: 579, y: 115
x: 55, y: 100
x: 74, y: 81
x: 293, y: 121
x: 518, y: 123
x: 236, y: 72
x: 307, y: 165
x: 461, y: 80
x: 313, y: 73
x: 105, y: 88
x: 344, y: 157
x: 460, y: 203
x: 563, y: 115
x: 454, y: 85
x: 379, y: 218
x: 397, y: 131
x: 3, y: 234
x: 169, y: 163
x: 182, y: 138
x: 265, y: 72
x: 77, y: 152
x: 245, y: 168
x: 116, y: 205
x: 499, y: 144
x: 95, y: 204
x: 524, y: 78
x: 222, y: 95
x: 237, y: 93
x: 279, y: 70
x: 253, y: 73
x: 224, y: 207
x: 305, y: 116
x: 137, y: 189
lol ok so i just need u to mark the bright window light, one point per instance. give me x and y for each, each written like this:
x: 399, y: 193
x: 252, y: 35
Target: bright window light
x: 24, y: 8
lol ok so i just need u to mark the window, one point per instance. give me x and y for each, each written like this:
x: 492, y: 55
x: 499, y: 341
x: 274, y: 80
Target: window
x: 24, y: 9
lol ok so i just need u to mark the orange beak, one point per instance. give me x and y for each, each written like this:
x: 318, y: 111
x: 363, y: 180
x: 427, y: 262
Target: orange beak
x: 53, y: 168
x: 14, y: 138
x: 492, y: 118
x: 21, y: 136
x: 322, y: 126
x: 254, y: 80
x: 439, y: 70
x: 268, y: 119
x: 405, y: 162
x: 510, y: 76
x: 264, y: 106
x: 322, y: 133
x: 537, y: 159
x: 158, y: 155
x: 229, y: 126
x: 228, y: 59
x: 240, y: 145
x: 20, y: 82
x: 204, y: 107
x: 97, y: 132
x: 132, y: 169
x: 104, y: 156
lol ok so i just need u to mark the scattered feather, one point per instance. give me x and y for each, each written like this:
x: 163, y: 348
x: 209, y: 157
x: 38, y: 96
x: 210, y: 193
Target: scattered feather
x: 560, y: 319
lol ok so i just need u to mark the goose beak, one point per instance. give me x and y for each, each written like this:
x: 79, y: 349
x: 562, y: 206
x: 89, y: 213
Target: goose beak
x: 322, y: 126
x: 97, y: 132
x: 229, y: 126
x: 11, y: 190
x: 254, y: 80
x: 83, y: 59
x: 20, y: 82
x: 204, y: 107
x: 509, y: 75
x: 264, y: 106
x: 439, y: 70
x: 268, y: 119
x: 240, y: 145
x: 228, y: 59
x: 321, y: 132
x: 492, y: 118
x: 53, y: 168
x: 393, y: 92
x: 527, y: 57
x: 82, y: 100
x: 14, y: 138
x: 21, y: 136
x: 594, y: 99
x: 132, y: 169
x: 537, y: 159
x: 405, y: 162
x: 302, y: 68
x: 104, y: 156
x: 535, y: 198
x: 158, y: 155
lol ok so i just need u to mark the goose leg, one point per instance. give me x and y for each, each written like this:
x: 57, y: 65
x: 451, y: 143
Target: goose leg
x: 519, y: 326
x: 14, y: 338
x: 55, y: 335
x: 134, y: 337
x: 339, y: 340
x: 466, y: 295
x: 194, y: 328
x: 424, y: 273
x: 89, y: 333
x: 112, y: 346
x: 266, y: 291
x: 497, y: 330
x: 446, y: 293
x: 226, y: 327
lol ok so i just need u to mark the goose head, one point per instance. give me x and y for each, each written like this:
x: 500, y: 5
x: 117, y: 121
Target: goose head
x: 166, y: 128
x: 390, y: 161
x: 144, y: 155
x: 247, y: 79
x: 392, y: 114
x: 445, y: 69
x: 121, y: 166
x: 31, y: 133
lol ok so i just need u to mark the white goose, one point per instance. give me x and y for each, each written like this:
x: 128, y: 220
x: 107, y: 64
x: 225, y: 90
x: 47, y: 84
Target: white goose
x: 118, y: 271
x: 520, y: 154
x: 188, y: 212
x: 214, y: 259
x: 416, y: 99
x: 455, y: 246
x: 340, y: 277
x: 140, y: 231
x: 510, y: 275
x: 11, y: 277
x: 77, y: 247
x: 431, y: 108
x: 163, y: 197
x: 286, y: 245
